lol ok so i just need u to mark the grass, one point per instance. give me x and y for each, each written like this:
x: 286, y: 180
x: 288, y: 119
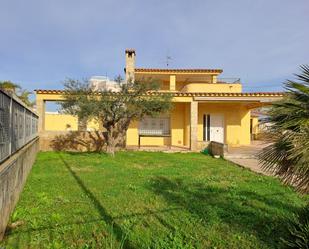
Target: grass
x: 148, y: 200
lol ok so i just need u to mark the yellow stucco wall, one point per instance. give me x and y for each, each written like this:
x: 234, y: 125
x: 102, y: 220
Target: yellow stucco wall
x: 244, y: 136
x: 180, y: 128
x: 177, y: 124
x: 60, y: 122
x: 203, y: 87
x: 64, y: 122
x: 236, y: 121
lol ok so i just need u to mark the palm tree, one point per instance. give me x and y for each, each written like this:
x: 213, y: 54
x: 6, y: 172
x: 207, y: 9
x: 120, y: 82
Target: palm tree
x: 288, y: 156
x: 8, y: 85
x: 16, y: 89
x: 24, y: 95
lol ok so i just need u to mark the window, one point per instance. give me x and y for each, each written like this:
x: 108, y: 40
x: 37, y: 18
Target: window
x: 206, y: 127
x: 155, y: 126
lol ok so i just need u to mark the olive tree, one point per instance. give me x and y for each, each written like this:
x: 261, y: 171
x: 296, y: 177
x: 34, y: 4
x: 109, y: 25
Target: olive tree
x: 115, y: 110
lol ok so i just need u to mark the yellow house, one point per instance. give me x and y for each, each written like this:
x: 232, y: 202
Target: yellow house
x: 206, y: 108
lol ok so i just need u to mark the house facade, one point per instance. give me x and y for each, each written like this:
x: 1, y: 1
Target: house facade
x: 206, y: 108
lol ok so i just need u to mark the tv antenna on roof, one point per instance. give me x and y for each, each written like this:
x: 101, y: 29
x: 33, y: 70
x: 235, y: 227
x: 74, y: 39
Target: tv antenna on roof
x: 168, y: 59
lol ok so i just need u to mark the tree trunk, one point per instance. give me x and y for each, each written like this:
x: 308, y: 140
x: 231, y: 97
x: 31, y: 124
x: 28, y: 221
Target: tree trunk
x: 110, y: 146
x: 124, y: 126
x: 110, y: 142
x: 116, y: 136
x: 123, y: 138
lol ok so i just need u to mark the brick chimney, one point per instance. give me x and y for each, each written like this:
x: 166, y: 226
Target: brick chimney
x: 130, y: 64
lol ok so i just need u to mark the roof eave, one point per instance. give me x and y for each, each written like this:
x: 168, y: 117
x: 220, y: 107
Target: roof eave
x: 189, y: 94
x: 177, y: 71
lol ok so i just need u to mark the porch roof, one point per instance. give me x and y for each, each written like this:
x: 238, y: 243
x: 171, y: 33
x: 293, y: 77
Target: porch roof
x: 251, y: 100
x: 197, y: 95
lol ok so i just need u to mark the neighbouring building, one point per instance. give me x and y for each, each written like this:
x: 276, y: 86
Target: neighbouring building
x: 103, y: 83
x: 206, y: 108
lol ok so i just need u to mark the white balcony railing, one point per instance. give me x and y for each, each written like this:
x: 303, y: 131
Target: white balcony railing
x: 228, y: 80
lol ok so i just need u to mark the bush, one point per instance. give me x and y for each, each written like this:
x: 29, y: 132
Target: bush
x: 298, y: 230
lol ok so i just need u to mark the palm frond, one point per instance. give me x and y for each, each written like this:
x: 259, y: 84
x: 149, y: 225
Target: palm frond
x: 288, y: 156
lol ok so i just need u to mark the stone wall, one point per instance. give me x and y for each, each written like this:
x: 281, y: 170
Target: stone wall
x: 218, y: 149
x: 13, y: 175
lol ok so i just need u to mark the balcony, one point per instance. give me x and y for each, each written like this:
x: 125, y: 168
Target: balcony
x: 205, y: 85
x: 228, y: 80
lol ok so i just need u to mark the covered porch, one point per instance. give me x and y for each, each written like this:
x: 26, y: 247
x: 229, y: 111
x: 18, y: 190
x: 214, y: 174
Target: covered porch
x: 193, y: 124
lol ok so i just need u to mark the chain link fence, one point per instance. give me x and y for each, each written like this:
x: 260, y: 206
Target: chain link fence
x: 18, y: 125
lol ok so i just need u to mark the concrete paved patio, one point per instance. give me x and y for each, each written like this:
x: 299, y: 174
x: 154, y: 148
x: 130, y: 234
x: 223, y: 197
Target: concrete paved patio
x: 246, y: 156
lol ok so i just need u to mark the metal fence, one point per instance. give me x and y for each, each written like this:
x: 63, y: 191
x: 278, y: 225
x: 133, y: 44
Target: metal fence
x: 18, y: 125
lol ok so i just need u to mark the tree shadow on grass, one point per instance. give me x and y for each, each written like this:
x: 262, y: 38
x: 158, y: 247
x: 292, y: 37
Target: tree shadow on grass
x: 114, y: 228
x: 242, y: 211
x: 52, y: 228
x: 117, y: 230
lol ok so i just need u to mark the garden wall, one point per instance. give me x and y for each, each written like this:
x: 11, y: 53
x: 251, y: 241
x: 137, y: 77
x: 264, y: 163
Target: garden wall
x: 13, y: 175
x: 71, y: 141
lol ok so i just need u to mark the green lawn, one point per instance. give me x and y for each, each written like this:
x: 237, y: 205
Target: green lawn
x: 148, y: 200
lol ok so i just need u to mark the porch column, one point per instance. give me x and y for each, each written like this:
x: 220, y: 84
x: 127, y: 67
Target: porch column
x: 40, y: 108
x: 172, y: 82
x: 214, y: 78
x: 193, y: 125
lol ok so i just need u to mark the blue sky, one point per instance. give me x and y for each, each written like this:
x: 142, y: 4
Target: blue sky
x: 261, y: 41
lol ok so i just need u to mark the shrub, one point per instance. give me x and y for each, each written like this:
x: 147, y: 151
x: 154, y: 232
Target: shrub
x: 298, y: 230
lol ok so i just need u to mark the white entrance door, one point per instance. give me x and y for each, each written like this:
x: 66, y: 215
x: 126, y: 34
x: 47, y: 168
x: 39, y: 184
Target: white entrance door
x: 216, y: 128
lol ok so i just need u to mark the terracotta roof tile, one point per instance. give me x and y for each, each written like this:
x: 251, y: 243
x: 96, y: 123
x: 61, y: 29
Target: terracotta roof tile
x: 167, y: 70
x: 180, y: 94
x: 130, y: 50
